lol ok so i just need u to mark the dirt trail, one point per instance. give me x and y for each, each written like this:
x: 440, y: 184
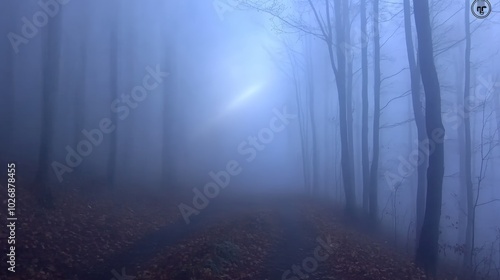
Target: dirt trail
x: 220, y: 209
x: 297, y: 243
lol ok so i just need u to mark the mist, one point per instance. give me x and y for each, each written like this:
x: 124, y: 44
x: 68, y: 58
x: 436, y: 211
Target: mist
x: 248, y: 139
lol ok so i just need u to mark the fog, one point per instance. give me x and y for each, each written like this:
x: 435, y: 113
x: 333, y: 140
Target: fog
x: 382, y: 115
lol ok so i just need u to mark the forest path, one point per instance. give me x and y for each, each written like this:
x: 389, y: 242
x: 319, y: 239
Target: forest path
x: 296, y: 243
x: 147, y: 247
x: 295, y: 255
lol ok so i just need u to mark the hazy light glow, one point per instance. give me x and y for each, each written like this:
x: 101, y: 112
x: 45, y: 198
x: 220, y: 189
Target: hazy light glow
x: 240, y: 100
x: 243, y: 71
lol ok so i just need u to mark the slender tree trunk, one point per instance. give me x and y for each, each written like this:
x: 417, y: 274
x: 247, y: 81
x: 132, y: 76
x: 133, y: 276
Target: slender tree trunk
x: 113, y: 149
x: 310, y: 99
x: 169, y: 145
x: 340, y: 78
x: 327, y: 136
x: 114, y: 80
x: 467, y: 262
x: 304, y: 136
x: 80, y: 92
x: 348, y: 54
x: 376, y: 115
x: 419, y: 120
x: 462, y: 198
x: 304, y: 108
x: 339, y: 70
x: 303, y: 114
x: 310, y: 93
x: 51, y: 50
x: 171, y: 102
x: 365, y: 159
x: 462, y: 220
x: 427, y: 251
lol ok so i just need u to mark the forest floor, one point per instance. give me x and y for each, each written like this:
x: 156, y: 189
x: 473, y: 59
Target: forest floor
x: 143, y: 236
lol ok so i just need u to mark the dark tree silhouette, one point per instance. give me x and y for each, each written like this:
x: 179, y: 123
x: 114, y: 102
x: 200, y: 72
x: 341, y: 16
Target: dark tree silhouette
x: 365, y: 158
x: 419, y: 118
x: 468, y: 146
x: 427, y: 251
x: 340, y: 77
x: 376, y: 115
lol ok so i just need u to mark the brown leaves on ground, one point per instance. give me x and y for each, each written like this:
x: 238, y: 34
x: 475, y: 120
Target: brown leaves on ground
x: 80, y: 231
x: 235, y: 249
x: 83, y: 231
x: 357, y: 255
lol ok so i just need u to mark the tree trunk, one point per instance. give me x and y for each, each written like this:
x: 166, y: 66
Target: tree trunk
x: 419, y: 120
x: 348, y: 88
x: 169, y: 145
x: 303, y: 109
x: 467, y: 262
x: 310, y: 94
x: 427, y: 251
x: 340, y: 78
x: 80, y: 88
x: 462, y: 198
x: 114, y: 94
x: 312, y: 158
x: 365, y: 159
x: 51, y: 50
x: 376, y: 115
x: 172, y: 101
x: 339, y: 70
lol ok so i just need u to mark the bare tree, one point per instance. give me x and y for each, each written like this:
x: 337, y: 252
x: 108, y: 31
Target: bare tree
x: 427, y: 251
x: 340, y: 77
x: 365, y: 159
x: 418, y: 114
x: 301, y: 74
x: 467, y: 261
x: 349, y: 76
x: 486, y: 146
x: 310, y: 93
x: 323, y: 29
x: 304, y: 106
x: 376, y: 115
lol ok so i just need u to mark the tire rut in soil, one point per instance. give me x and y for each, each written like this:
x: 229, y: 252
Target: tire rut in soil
x: 297, y: 243
x: 148, y: 246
